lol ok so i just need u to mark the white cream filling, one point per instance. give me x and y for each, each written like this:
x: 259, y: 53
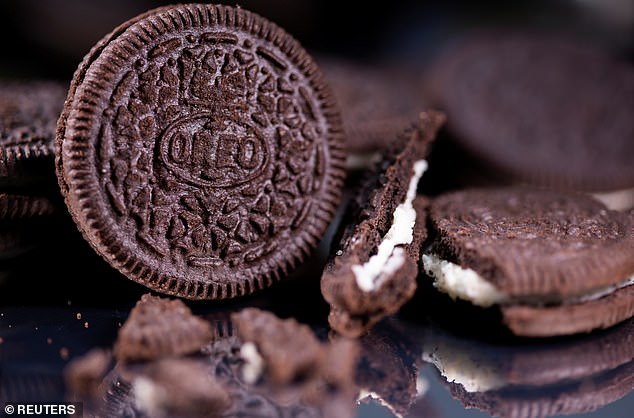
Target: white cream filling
x: 456, y: 366
x: 465, y: 283
x: 616, y: 200
x: 462, y: 283
x: 253, y: 363
x: 363, y: 394
x: 389, y: 258
x: 148, y: 396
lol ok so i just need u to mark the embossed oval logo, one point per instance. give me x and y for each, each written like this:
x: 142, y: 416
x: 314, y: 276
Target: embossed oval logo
x: 203, y: 156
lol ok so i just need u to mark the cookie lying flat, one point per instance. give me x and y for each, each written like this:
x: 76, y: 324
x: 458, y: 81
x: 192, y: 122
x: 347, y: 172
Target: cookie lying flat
x: 554, y: 263
x: 568, y: 376
x: 200, y: 151
x: 28, y: 116
x: 519, y: 105
x: 373, y: 269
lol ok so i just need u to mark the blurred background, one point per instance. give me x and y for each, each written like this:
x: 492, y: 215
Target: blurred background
x: 49, y: 38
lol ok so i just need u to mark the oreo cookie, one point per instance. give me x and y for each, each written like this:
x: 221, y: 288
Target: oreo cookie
x: 218, y: 381
x: 178, y: 388
x: 158, y: 328
x: 200, y: 151
x: 533, y: 109
x: 569, y: 376
x: 377, y: 104
x: 373, y: 269
x: 28, y: 116
x: 553, y: 263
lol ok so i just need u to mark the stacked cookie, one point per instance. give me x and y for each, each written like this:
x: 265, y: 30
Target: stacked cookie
x: 28, y: 114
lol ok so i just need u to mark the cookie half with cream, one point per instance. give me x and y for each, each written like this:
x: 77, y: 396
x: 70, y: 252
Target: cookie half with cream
x: 553, y: 263
x: 373, y: 270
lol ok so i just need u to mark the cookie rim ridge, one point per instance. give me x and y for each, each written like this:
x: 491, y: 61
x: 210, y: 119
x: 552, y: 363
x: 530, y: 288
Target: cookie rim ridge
x: 76, y: 171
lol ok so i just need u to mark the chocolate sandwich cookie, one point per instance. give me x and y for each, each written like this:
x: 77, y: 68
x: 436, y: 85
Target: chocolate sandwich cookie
x: 158, y: 328
x: 28, y: 116
x: 373, y: 270
x: 377, y: 104
x: 553, y: 263
x: 200, y: 151
x: 538, y: 110
x: 574, y: 375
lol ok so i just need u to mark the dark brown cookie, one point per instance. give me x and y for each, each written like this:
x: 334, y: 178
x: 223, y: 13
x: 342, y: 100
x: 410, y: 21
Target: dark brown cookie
x: 178, y: 388
x: 540, y: 110
x: 209, y: 147
x: 290, y: 351
x: 377, y: 104
x: 373, y: 269
x: 24, y: 206
x: 158, y: 328
x: 288, y: 348
x: 541, y: 256
x: 28, y: 114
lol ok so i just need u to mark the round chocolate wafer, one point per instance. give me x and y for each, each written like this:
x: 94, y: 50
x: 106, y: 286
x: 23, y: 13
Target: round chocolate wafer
x: 200, y: 151
x: 535, y: 243
x: 539, y: 110
x: 539, y: 255
x: 28, y: 114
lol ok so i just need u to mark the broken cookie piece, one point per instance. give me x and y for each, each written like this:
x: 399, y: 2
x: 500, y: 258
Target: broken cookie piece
x: 159, y: 327
x: 179, y: 387
x: 373, y: 270
x: 288, y: 355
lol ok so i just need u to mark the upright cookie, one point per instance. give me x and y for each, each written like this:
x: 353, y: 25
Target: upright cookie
x: 373, y: 269
x: 539, y: 110
x: 28, y: 114
x: 554, y: 263
x: 200, y: 151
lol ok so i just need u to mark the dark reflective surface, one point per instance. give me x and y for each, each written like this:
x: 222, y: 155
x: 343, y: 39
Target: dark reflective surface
x: 59, y: 301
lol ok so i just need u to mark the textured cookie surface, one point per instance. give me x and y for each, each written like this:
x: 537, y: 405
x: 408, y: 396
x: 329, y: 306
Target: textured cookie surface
x: 376, y: 104
x: 200, y: 151
x: 159, y: 328
x: 28, y: 114
x: 523, y: 104
x: 23, y: 206
x: 534, y: 243
x: 370, y: 220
